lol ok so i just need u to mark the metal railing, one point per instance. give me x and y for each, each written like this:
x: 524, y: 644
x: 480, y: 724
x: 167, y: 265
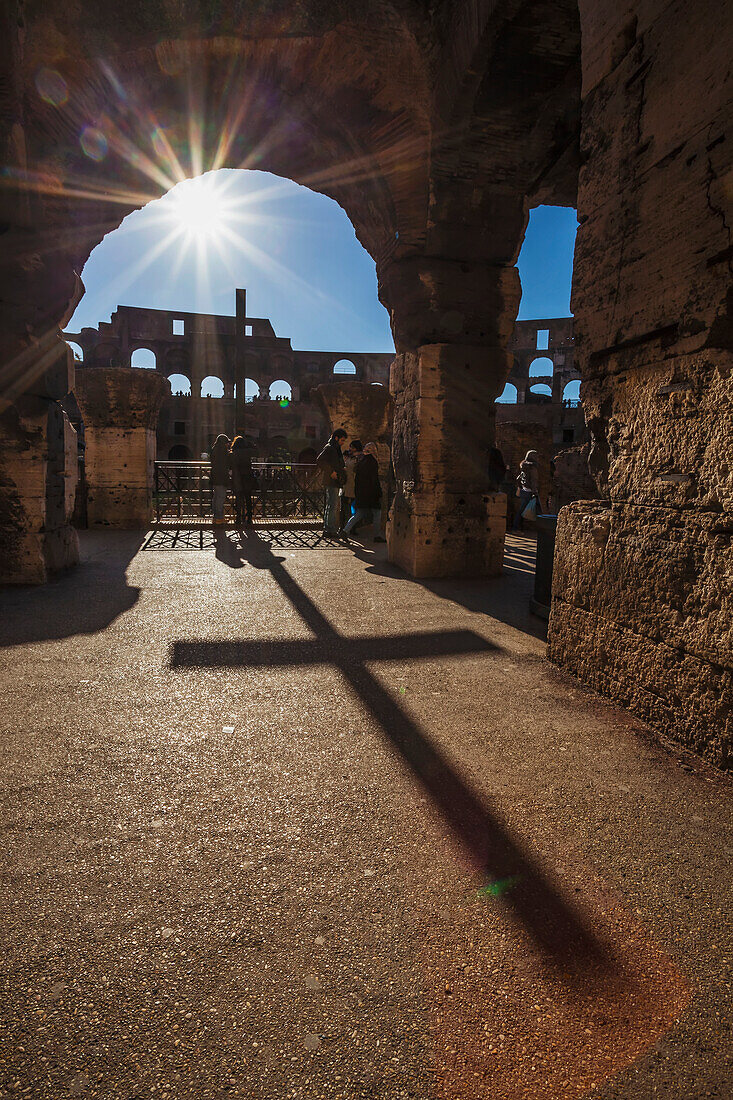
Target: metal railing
x: 280, y: 490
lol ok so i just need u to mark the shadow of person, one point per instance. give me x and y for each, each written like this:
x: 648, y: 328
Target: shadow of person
x: 83, y: 600
x: 226, y: 550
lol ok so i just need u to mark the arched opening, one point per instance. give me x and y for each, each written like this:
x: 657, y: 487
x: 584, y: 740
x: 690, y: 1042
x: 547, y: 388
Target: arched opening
x: 541, y: 392
x: 542, y: 367
x: 212, y: 386
x: 78, y: 351
x: 571, y: 392
x: 281, y: 391
x: 180, y: 453
x: 143, y: 357
x: 251, y: 390
x: 508, y: 395
x: 180, y: 385
x: 378, y: 384
x: 344, y: 366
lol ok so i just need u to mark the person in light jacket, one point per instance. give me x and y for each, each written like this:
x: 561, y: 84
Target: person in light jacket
x: 352, y: 454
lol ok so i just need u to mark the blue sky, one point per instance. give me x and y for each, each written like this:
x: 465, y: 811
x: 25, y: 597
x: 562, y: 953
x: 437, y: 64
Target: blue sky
x: 294, y: 251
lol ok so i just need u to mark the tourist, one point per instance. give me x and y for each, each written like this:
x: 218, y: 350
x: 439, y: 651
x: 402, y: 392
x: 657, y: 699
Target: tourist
x: 220, y: 476
x: 352, y: 454
x: 367, y: 494
x: 243, y: 480
x: 528, y: 487
x: 330, y: 463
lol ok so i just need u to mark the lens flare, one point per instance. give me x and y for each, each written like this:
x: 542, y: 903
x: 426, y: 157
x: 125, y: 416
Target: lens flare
x: 94, y: 143
x: 52, y: 87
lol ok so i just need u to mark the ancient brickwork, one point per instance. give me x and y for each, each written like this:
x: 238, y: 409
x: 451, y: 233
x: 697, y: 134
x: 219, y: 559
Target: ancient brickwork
x: 642, y: 605
x: 404, y: 114
x: 235, y: 352
x: 120, y: 410
x: 571, y: 479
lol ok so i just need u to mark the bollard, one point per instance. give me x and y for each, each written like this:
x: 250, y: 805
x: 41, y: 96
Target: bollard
x: 542, y: 598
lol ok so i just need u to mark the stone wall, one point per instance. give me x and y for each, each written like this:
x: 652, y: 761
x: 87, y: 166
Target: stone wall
x: 643, y: 601
x: 38, y: 469
x: 571, y: 479
x: 364, y: 412
x: 120, y: 411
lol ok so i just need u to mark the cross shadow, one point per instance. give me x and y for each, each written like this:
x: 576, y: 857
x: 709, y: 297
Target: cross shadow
x: 507, y: 867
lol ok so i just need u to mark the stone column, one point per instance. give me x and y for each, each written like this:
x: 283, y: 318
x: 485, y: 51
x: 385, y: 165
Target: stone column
x: 120, y: 409
x: 363, y: 411
x: 643, y: 585
x: 38, y: 294
x: 38, y: 473
x: 38, y: 460
x: 452, y: 322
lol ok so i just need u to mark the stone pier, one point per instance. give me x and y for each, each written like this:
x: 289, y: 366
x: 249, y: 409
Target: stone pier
x: 38, y: 472
x: 363, y: 410
x: 643, y: 587
x: 452, y: 321
x: 120, y: 409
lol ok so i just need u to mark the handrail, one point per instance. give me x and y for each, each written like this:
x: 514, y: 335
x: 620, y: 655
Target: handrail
x: 283, y: 490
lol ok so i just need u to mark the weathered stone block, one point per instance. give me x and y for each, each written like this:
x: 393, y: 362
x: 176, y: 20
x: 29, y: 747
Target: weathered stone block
x: 571, y: 479
x: 431, y: 543
x: 120, y: 410
x: 38, y: 470
x: 444, y: 520
x: 666, y: 427
x: 643, y: 611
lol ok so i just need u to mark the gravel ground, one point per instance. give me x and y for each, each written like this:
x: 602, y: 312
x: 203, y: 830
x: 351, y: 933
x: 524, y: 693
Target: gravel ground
x: 281, y: 822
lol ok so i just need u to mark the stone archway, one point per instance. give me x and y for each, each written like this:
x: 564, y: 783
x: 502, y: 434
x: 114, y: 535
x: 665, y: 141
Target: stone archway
x: 354, y: 115
x: 434, y: 131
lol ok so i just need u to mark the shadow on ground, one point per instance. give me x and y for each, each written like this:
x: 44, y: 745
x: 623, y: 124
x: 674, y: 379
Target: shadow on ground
x: 503, y: 865
x: 505, y: 598
x: 83, y: 600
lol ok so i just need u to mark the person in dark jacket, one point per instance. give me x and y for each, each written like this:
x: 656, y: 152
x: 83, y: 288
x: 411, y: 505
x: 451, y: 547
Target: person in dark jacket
x: 220, y: 476
x: 367, y: 494
x: 330, y: 463
x: 243, y: 481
